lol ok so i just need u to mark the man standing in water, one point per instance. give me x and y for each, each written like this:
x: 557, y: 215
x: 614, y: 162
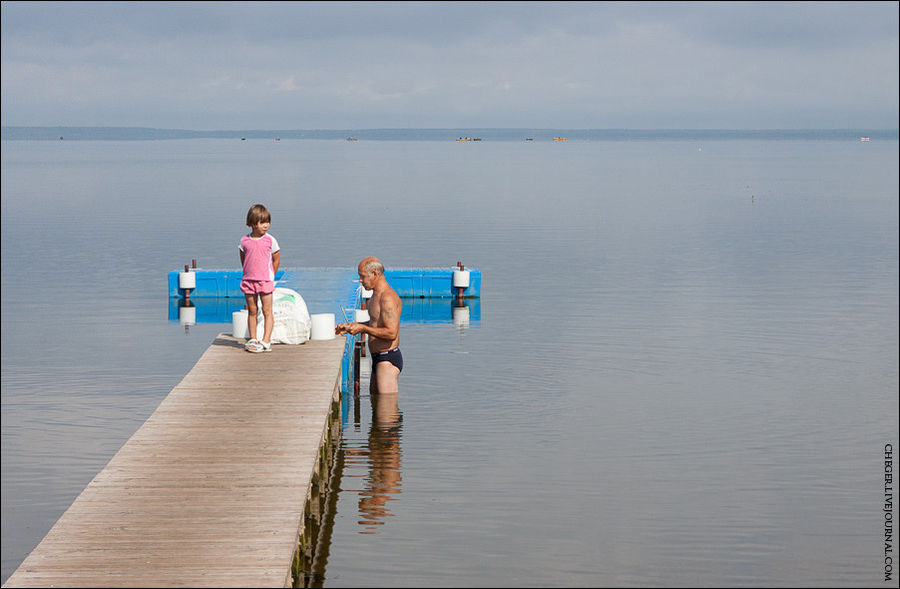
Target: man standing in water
x: 383, y: 328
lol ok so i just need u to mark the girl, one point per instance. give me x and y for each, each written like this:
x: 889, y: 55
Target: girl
x: 260, y: 258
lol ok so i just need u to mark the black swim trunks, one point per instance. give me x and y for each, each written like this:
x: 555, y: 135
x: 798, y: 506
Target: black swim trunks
x: 393, y: 356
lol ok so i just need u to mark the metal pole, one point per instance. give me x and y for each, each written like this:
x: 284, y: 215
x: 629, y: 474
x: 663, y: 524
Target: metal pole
x: 356, y: 348
x: 362, y: 336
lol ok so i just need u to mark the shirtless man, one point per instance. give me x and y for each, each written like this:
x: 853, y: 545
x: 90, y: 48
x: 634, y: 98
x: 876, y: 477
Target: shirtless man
x: 383, y: 328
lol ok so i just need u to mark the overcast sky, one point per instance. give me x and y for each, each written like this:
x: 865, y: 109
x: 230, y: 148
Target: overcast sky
x: 349, y: 65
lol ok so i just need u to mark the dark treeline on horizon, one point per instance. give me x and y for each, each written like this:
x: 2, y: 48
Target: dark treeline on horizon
x: 487, y: 134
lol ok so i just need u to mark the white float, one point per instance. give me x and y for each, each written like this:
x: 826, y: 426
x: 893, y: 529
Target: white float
x: 187, y: 280
x: 461, y: 316
x: 460, y: 279
x: 187, y: 315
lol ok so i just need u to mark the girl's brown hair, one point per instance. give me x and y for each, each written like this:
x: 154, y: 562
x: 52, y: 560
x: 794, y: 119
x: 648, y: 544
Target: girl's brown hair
x: 258, y: 214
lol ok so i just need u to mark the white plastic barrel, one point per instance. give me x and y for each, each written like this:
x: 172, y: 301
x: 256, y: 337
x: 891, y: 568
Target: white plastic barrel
x: 322, y: 326
x: 361, y: 316
x: 460, y: 279
x: 187, y: 280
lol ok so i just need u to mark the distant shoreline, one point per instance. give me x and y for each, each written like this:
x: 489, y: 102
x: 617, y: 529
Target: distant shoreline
x: 13, y: 133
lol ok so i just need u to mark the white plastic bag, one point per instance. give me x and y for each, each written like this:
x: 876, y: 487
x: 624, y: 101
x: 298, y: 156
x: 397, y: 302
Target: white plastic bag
x: 292, y: 323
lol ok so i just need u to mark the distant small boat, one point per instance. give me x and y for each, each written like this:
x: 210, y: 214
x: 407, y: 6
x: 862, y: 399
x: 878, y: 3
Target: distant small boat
x: 464, y: 139
x: 476, y: 139
x: 278, y: 139
x: 243, y: 138
x: 529, y: 139
x: 559, y: 138
x: 352, y: 139
x: 863, y: 138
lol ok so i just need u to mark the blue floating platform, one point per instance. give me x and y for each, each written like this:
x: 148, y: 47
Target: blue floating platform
x: 431, y: 283
x: 407, y: 282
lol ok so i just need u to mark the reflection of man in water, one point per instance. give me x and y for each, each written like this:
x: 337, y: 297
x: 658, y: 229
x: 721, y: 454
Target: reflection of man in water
x: 384, y: 477
x: 383, y: 327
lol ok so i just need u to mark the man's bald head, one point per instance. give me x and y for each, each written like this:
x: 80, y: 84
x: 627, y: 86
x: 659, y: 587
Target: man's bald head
x: 371, y: 265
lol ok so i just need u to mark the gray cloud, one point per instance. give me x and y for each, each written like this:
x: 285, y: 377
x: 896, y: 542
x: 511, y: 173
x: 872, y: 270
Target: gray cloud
x: 752, y: 24
x: 355, y: 65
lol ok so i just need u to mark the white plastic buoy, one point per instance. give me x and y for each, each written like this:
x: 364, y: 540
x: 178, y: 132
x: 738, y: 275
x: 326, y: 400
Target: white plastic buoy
x: 461, y: 316
x: 187, y: 315
x: 460, y: 279
x: 187, y: 280
x: 361, y: 316
x: 322, y: 326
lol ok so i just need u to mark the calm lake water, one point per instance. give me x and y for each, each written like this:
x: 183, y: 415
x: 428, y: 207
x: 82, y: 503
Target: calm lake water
x: 685, y: 372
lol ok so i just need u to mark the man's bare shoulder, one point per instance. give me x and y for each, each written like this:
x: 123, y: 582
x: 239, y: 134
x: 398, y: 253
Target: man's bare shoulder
x: 390, y: 299
x: 395, y: 298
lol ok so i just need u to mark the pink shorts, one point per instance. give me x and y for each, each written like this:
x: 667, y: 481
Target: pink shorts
x: 257, y: 286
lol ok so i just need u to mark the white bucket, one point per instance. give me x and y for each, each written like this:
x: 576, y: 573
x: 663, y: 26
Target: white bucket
x: 367, y: 294
x: 322, y: 326
x: 239, y: 324
x: 239, y: 327
x: 361, y: 316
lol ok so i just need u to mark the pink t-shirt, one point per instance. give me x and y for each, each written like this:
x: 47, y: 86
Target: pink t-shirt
x: 258, y: 257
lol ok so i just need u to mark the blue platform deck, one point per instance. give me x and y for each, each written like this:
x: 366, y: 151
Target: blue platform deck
x: 408, y: 282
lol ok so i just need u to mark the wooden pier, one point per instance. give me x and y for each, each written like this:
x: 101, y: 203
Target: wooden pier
x: 215, y: 488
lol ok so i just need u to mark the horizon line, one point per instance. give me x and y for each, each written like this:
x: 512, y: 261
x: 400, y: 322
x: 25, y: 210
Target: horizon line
x: 450, y: 128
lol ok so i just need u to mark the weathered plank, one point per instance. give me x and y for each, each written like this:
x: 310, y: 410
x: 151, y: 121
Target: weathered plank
x: 210, y: 491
